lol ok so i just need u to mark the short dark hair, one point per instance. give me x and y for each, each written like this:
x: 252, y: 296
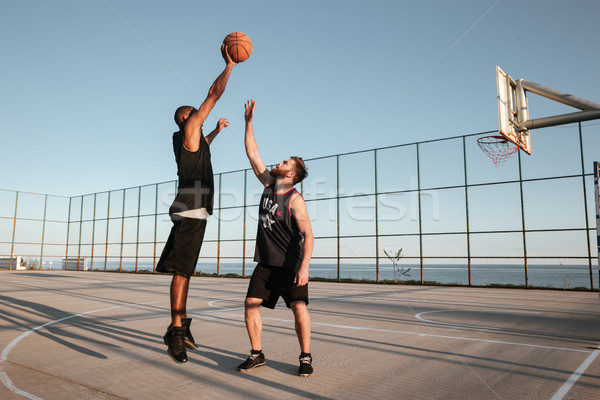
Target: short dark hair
x: 301, y: 170
x: 180, y: 113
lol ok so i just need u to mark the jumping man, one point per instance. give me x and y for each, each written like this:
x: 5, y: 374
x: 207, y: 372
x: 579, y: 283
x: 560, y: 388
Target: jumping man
x: 190, y: 209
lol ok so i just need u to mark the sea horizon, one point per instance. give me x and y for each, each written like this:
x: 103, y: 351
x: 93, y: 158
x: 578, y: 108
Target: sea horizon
x: 566, y: 276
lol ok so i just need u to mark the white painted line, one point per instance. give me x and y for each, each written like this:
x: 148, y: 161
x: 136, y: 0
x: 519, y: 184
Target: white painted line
x: 363, y: 328
x: 226, y: 312
x: 4, y: 356
x: 212, y: 304
x: 487, y: 328
x: 466, y: 303
x: 558, y: 396
x: 573, y: 378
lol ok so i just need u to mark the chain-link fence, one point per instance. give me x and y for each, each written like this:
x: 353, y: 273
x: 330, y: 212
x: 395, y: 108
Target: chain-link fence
x: 430, y: 212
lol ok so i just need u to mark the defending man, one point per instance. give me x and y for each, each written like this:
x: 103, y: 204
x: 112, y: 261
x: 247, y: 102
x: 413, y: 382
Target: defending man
x: 284, y: 244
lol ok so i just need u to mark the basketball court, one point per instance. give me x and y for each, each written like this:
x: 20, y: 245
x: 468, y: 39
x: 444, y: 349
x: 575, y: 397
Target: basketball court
x: 99, y: 335
x: 95, y: 335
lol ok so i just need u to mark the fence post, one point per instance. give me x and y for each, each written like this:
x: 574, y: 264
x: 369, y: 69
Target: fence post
x: 585, y: 207
x: 244, y: 233
x: 43, y: 231
x: 467, y: 209
x: 155, y: 227
x: 420, y: 214
x: 219, y: 229
x: 122, y: 231
x: 523, y: 222
x: 137, y: 239
x: 93, y: 233
x: 597, y: 201
x: 68, y: 231
x: 337, y: 196
x: 376, y: 220
x: 107, y: 225
x: 12, y: 246
x: 80, y: 229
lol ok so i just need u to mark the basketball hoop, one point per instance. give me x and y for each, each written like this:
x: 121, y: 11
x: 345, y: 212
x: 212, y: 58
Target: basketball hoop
x: 497, y: 148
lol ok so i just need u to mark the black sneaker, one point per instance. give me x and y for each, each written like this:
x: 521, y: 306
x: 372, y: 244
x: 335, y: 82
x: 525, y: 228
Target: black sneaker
x: 188, y: 339
x: 254, y: 360
x: 306, y: 368
x: 175, y: 345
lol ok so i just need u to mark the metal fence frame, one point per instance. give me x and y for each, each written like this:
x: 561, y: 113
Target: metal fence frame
x: 76, y: 223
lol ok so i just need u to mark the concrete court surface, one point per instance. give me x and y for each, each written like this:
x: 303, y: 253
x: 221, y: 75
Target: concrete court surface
x: 97, y: 335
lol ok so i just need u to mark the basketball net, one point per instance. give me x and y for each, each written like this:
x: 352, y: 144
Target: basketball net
x: 497, y: 148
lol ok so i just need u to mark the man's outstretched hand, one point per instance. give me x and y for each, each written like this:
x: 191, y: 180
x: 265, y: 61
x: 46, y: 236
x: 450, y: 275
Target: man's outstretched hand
x: 222, y: 123
x: 226, y: 55
x: 249, y: 110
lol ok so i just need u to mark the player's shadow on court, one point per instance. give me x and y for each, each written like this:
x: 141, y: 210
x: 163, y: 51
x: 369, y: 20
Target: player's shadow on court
x: 227, y: 361
x: 27, y: 315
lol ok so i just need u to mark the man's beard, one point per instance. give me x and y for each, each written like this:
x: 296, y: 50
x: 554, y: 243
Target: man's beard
x: 277, y: 173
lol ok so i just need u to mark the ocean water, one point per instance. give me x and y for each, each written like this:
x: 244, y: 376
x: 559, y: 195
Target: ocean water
x: 552, y: 276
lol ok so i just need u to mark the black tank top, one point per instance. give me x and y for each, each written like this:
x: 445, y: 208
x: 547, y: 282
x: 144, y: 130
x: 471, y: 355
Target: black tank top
x: 279, y: 242
x: 194, y: 169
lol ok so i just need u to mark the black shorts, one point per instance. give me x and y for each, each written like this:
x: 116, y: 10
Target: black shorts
x: 182, y: 249
x: 268, y: 283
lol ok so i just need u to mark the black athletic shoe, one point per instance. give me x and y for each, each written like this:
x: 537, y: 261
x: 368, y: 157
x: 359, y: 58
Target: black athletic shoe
x: 306, y: 368
x: 188, y: 339
x: 254, y: 360
x: 175, y: 345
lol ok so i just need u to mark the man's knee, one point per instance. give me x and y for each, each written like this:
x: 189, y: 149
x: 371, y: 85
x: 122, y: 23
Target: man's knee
x: 180, y: 280
x: 298, y: 306
x: 252, y: 302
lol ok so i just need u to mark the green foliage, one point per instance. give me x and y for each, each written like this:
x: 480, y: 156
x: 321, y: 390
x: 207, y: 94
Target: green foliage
x: 31, y: 263
x: 395, y: 259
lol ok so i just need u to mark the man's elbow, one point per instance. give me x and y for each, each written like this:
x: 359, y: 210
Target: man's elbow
x: 308, y: 245
x: 251, y: 153
x: 308, y: 237
x: 216, y: 91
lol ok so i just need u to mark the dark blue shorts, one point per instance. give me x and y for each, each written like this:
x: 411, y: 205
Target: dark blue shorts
x: 269, y: 283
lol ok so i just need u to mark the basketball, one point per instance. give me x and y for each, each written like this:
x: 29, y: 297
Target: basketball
x: 239, y: 46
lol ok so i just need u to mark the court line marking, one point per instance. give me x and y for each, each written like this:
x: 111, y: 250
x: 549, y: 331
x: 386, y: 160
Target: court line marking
x: 4, y: 356
x: 576, y: 375
x: 212, y: 304
x: 488, y: 305
x: 560, y: 394
x: 363, y: 328
x: 489, y: 328
x: 519, y: 309
x: 225, y: 311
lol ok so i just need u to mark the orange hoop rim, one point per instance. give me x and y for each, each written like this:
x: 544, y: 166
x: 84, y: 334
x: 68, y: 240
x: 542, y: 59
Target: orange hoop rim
x: 494, y: 139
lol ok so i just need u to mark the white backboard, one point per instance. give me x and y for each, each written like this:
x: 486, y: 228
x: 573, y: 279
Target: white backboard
x: 512, y: 110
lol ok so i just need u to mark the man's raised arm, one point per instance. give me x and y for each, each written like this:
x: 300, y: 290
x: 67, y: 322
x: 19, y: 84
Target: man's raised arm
x: 258, y: 165
x: 195, y: 121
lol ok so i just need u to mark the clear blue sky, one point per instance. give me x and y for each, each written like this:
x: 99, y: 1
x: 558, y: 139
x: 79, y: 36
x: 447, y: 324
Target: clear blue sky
x: 88, y: 88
